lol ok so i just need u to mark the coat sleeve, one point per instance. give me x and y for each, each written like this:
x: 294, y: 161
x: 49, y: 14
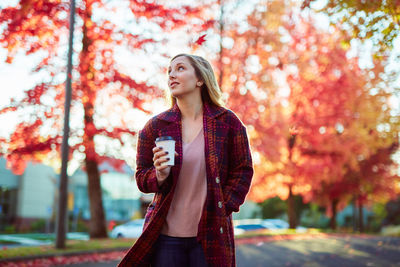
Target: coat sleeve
x: 240, y: 171
x: 145, y: 171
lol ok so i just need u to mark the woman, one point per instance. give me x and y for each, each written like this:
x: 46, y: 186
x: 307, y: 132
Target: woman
x: 189, y: 221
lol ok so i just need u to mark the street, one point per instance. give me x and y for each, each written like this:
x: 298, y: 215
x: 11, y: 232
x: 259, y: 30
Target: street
x: 333, y: 250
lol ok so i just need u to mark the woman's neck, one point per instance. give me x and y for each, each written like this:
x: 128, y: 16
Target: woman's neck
x: 190, y: 108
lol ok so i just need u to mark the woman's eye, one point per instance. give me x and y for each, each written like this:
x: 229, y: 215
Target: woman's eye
x: 180, y: 67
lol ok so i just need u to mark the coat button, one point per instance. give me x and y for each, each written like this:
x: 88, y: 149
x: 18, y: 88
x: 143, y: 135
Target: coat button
x: 217, y: 180
x: 220, y: 204
x: 221, y: 230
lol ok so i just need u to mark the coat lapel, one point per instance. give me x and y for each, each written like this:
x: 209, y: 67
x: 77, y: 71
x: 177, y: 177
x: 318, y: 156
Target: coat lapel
x: 215, y: 132
x: 215, y: 136
x: 173, y: 128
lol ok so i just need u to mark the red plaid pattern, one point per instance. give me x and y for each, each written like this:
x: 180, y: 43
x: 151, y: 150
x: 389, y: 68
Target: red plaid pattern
x: 229, y: 173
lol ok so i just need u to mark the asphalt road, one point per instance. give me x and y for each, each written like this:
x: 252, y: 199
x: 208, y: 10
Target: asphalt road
x: 335, y: 251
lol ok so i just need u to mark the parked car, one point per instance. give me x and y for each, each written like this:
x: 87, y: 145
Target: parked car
x: 131, y: 229
x: 246, y: 225
x: 275, y: 224
x: 242, y: 228
x: 251, y: 227
x: 238, y: 231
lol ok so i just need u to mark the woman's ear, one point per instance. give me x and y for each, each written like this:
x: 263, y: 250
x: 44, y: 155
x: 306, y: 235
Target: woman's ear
x: 199, y: 83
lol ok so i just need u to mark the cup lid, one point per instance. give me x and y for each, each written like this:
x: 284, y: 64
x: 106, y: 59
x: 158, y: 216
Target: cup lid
x: 163, y: 138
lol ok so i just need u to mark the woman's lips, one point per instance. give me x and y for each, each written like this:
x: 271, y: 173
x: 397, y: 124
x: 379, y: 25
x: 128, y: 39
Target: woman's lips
x: 174, y: 83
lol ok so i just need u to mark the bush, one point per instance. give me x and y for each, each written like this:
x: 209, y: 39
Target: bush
x: 273, y: 207
x: 392, y: 209
x: 9, y: 229
x: 38, y: 226
x: 81, y: 226
x: 391, y: 230
x: 314, y: 217
x: 277, y: 208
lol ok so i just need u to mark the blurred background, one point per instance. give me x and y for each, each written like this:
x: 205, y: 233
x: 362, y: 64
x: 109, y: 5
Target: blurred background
x: 315, y: 82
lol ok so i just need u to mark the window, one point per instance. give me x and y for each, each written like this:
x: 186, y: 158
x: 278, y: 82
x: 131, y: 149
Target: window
x: 8, y: 199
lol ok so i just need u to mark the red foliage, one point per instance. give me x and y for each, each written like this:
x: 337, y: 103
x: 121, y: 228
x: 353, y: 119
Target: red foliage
x: 201, y: 39
x: 37, y: 26
x: 97, y: 80
x: 309, y: 112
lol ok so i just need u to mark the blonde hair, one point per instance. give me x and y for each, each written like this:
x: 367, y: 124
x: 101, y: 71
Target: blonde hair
x: 210, y: 91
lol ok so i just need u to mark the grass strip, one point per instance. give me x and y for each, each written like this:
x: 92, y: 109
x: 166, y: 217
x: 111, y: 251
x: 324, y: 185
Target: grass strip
x: 71, y: 247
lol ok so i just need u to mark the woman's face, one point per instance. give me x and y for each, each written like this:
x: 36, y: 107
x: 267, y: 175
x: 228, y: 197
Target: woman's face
x: 182, y: 78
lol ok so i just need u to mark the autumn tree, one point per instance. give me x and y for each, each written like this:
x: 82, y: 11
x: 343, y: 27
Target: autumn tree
x: 250, y: 63
x: 249, y: 72
x: 377, y: 180
x: 103, y: 93
x: 339, y: 110
x: 378, y: 21
x: 307, y: 105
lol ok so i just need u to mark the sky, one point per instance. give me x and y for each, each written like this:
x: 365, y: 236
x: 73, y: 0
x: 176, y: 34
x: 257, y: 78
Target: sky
x: 16, y: 77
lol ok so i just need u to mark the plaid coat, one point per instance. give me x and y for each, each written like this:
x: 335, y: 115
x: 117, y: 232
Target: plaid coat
x: 229, y: 172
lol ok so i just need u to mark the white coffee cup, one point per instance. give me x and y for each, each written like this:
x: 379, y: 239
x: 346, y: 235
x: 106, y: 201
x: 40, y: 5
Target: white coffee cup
x: 168, y: 144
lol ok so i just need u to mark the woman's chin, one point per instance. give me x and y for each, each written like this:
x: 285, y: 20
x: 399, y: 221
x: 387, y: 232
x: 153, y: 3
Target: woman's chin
x: 179, y: 93
x: 176, y: 93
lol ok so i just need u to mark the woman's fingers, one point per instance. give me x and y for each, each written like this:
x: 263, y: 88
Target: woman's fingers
x: 158, y: 154
x: 156, y: 149
x: 159, y: 161
x: 162, y: 167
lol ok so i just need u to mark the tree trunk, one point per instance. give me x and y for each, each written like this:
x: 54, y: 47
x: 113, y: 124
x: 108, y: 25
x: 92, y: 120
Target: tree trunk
x: 354, y: 214
x: 360, y: 215
x: 97, y: 227
x: 97, y: 223
x: 334, y: 212
x: 291, y: 211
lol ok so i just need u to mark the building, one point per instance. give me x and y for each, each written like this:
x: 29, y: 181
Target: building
x: 8, y: 194
x: 120, y: 193
x: 33, y: 195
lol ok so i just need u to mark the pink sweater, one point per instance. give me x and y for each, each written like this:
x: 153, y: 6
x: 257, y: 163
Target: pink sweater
x: 190, y: 193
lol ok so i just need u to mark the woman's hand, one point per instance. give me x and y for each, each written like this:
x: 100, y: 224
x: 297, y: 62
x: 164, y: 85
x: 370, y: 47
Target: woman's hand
x: 162, y: 171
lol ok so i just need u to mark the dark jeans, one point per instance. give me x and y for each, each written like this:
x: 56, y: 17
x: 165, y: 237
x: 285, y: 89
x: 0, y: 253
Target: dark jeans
x: 178, y: 252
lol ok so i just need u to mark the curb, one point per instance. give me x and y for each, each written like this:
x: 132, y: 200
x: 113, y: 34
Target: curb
x: 75, y: 253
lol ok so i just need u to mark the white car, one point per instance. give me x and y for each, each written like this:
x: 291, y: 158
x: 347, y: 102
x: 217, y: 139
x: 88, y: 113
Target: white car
x: 275, y: 224
x: 131, y: 229
x: 246, y: 225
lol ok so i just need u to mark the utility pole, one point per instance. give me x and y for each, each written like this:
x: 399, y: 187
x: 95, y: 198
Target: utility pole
x: 61, y: 225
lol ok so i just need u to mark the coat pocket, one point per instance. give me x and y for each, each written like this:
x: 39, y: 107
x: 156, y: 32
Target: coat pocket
x: 221, y: 204
x: 148, y: 216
